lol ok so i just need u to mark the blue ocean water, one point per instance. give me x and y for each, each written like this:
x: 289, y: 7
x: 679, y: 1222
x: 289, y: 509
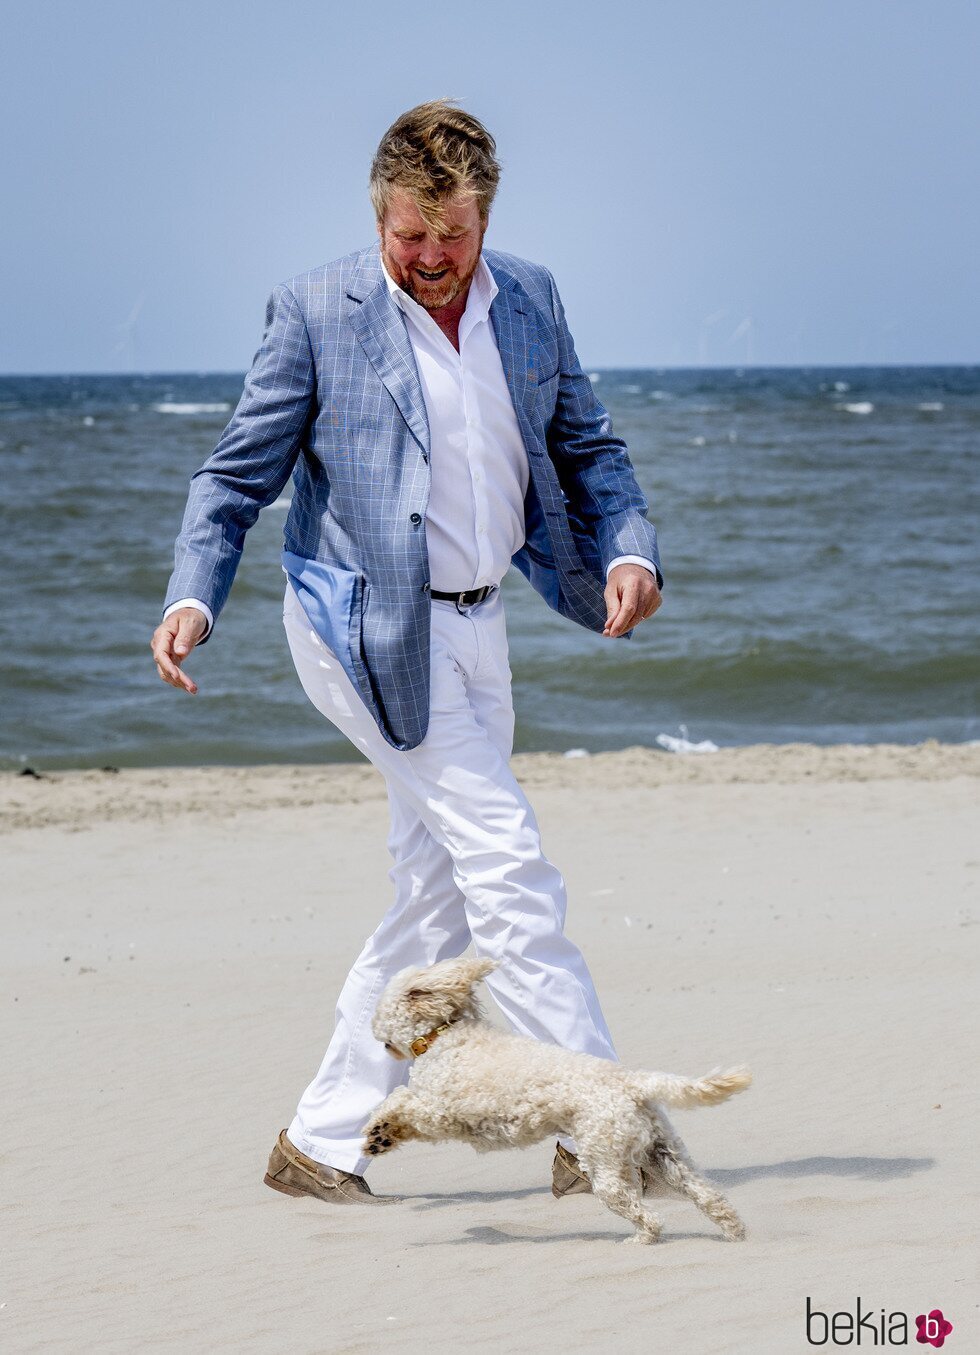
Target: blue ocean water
x: 819, y: 537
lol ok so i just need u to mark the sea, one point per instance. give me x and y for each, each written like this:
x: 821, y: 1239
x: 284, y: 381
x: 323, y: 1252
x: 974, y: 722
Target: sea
x: 819, y: 537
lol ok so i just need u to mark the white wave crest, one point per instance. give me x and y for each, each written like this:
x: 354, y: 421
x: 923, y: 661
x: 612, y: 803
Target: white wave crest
x: 931, y: 406
x: 169, y: 407
x: 675, y: 743
x: 859, y: 407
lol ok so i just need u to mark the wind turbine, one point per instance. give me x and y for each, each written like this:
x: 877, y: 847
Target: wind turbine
x: 127, y: 344
x: 747, y: 328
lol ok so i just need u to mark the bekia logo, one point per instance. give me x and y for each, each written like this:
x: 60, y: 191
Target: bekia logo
x: 873, y: 1327
x: 933, y: 1328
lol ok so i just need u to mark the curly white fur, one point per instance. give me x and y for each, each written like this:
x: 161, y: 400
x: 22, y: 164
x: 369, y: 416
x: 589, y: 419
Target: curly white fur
x: 495, y: 1090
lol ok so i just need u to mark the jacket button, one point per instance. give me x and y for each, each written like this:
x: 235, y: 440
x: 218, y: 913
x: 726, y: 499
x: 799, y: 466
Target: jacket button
x: 425, y: 587
x: 416, y: 518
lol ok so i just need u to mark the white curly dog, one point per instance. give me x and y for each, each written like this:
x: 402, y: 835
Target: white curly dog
x: 476, y: 1083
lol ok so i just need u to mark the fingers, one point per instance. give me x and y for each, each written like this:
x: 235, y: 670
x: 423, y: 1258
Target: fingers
x: 172, y: 641
x: 654, y: 605
x: 630, y: 602
x: 622, y: 605
x: 170, y: 673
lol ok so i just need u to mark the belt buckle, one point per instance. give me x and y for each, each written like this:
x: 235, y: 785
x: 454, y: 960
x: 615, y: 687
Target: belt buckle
x: 475, y: 596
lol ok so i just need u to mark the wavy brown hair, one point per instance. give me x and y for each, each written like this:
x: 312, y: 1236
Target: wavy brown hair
x: 435, y: 151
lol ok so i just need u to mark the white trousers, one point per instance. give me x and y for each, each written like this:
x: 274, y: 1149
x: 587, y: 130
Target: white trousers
x: 468, y: 867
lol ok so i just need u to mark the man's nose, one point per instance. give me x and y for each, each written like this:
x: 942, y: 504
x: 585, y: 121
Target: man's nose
x: 430, y: 254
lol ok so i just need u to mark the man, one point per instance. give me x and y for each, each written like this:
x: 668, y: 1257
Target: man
x: 425, y: 396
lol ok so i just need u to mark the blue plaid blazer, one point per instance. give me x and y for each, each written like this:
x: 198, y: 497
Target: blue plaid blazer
x: 333, y: 398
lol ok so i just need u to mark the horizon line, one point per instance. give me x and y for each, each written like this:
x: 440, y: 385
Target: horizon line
x: 659, y: 368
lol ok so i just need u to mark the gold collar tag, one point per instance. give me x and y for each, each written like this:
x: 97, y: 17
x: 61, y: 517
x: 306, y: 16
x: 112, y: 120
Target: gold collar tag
x: 422, y: 1042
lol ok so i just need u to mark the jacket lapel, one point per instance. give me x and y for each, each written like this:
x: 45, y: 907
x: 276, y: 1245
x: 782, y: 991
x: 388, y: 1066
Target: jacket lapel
x: 516, y: 328
x: 380, y: 329
x: 516, y: 333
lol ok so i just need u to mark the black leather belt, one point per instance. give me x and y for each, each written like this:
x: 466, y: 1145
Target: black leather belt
x: 467, y: 599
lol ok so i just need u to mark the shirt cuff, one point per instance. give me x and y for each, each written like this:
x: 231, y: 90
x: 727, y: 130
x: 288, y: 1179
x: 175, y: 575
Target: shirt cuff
x: 632, y: 560
x: 201, y: 607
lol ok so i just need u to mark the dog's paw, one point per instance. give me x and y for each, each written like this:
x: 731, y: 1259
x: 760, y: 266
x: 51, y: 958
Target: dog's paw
x: 378, y: 1138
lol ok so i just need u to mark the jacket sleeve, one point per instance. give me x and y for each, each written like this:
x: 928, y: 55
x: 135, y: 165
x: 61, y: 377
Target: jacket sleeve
x: 252, y: 461
x: 593, y: 465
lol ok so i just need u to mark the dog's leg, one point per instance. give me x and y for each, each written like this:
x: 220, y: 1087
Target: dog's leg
x: 396, y: 1121
x: 618, y: 1187
x: 683, y: 1178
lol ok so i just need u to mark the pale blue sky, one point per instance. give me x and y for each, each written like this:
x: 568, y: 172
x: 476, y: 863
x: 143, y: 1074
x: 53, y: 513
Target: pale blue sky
x: 717, y: 183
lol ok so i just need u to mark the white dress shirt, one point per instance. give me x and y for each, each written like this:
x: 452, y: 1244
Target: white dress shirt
x: 474, y: 520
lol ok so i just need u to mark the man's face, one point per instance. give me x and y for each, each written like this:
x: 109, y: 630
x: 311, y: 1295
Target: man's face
x: 432, y: 269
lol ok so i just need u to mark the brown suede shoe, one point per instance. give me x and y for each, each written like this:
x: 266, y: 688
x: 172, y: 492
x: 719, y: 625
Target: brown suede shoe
x: 567, y: 1177
x: 294, y: 1173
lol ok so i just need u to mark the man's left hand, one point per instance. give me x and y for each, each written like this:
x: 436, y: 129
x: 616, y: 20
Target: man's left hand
x: 631, y: 595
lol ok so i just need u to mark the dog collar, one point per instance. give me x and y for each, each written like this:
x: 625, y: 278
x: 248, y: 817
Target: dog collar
x: 422, y: 1042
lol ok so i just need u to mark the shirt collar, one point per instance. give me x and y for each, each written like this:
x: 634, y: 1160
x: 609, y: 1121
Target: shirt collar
x: 482, y: 291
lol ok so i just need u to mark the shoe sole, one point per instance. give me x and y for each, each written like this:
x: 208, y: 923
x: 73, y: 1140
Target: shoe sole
x: 340, y: 1198
x: 283, y: 1189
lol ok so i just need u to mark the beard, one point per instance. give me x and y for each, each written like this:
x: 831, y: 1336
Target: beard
x: 432, y: 296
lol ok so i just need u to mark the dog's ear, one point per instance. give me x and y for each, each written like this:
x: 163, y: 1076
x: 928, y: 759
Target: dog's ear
x: 449, y: 978
x: 479, y: 969
x: 459, y: 976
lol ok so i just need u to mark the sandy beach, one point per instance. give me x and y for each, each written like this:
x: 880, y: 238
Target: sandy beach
x: 173, y: 945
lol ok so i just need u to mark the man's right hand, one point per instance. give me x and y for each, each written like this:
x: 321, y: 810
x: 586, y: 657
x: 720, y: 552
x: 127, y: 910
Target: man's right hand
x: 173, y: 640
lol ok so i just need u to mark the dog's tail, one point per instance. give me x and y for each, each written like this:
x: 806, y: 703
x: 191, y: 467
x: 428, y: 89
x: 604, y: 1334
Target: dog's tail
x: 683, y: 1092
